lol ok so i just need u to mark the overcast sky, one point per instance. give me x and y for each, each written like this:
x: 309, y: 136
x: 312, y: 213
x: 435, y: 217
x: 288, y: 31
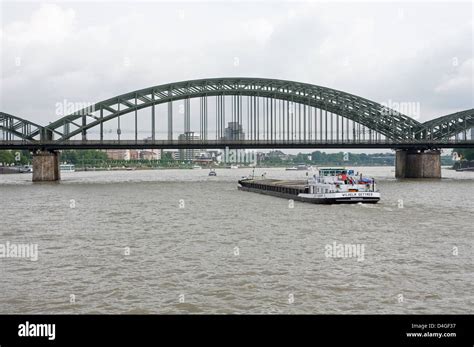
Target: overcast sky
x: 88, y: 52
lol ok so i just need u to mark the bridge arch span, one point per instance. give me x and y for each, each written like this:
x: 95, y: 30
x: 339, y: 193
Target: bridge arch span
x: 16, y: 127
x: 450, y: 125
x: 372, y: 115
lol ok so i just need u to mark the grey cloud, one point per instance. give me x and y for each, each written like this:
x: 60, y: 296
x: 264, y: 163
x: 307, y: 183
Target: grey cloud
x: 86, y: 52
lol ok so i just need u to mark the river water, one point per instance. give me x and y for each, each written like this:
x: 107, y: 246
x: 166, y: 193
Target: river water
x: 178, y: 241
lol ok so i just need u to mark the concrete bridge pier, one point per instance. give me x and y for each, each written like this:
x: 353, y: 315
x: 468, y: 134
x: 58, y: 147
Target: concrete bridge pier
x: 418, y: 163
x: 46, y: 166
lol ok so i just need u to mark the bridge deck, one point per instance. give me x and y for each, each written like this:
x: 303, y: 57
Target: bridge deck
x: 209, y: 144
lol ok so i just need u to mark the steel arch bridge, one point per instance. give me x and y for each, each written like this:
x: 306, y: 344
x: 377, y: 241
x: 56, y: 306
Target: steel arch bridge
x: 13, y: 126
x: 260, y: 113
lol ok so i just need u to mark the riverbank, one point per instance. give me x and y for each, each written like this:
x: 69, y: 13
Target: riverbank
x: 6, y: 170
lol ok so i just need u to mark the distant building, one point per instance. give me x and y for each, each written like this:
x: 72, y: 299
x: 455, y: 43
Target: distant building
x: 203, y: 158
x: 134, y: 154
x: 174, y: 154
x: 118, y: 154
x: 214, y: 154
x: 276, y: 154
x: 187, y: 153
x: 149, y: 154
x: 203, y: 155
x: 234, y: 131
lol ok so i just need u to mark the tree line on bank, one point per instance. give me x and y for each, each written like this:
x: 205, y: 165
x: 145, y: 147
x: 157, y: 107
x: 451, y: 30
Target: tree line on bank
x: 77, y: 157
x: 273, y: 158
x: 278, y: 158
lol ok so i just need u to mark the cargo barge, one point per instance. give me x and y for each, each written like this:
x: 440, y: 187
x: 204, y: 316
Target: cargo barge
x: 331, y: 186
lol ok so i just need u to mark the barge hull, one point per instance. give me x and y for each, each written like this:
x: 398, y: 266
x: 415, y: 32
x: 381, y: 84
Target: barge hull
x: 327, y: 201
x: 297, y: 191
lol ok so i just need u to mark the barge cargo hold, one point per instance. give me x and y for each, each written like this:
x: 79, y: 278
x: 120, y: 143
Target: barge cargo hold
x: 332, y: 186
x: 280, y: 188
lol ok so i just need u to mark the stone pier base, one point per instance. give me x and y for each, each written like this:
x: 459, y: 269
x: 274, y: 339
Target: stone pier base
x: 46, y: 166
x: 418, y: 164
